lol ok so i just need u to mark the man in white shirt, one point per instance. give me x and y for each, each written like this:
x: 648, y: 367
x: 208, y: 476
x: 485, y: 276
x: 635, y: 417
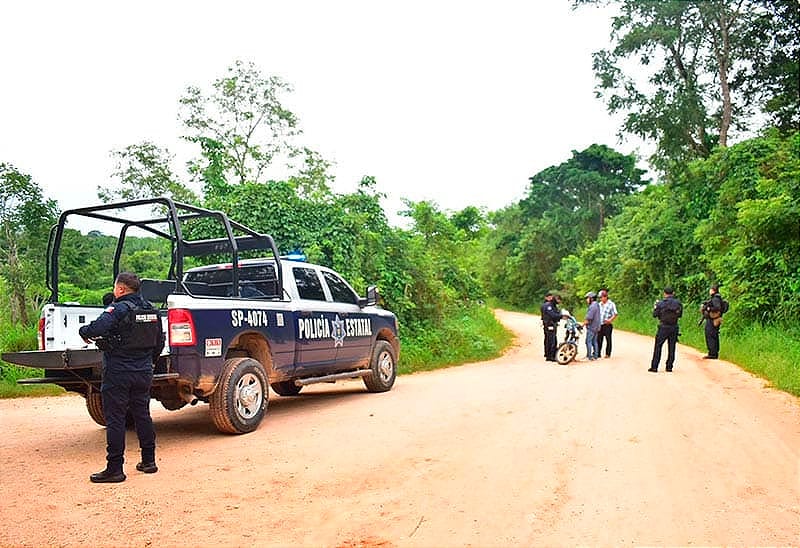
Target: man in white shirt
x: 608, y: 313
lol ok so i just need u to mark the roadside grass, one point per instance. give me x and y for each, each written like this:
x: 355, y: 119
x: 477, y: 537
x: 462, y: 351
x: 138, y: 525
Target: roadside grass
x: 472, y: 334
x: 14, y: 338
x: 771, y: 352
x: 10, y: 389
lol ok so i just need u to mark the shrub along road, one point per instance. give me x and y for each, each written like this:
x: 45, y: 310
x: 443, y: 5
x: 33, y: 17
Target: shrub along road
x: 515, y: 451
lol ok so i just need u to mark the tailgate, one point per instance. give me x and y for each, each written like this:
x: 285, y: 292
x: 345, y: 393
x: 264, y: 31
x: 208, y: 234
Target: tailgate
x: 55, y: 359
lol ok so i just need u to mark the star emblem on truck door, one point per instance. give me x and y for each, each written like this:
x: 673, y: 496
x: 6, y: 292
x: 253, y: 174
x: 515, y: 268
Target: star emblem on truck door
x: 338, y: 331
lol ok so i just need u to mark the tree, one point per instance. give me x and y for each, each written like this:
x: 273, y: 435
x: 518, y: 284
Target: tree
x: 566, y: 207
x: 25, y: 218
x: 243, y: 116
x: 751, y: 237
x: 773, y: 75
x: 144, y: 171
x: 698, y: 53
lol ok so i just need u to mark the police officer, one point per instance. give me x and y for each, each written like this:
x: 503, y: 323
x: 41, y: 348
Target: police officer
x: 129, y: 332
x: 550, y: 318
x: 668, y: 310
x: 712, y: 312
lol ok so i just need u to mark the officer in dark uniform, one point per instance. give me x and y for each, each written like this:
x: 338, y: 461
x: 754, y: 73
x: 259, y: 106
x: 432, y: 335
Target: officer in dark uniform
x: 712, y: 312
x: 550, y: 318
x: 667, y: 310
x: 130, y: 335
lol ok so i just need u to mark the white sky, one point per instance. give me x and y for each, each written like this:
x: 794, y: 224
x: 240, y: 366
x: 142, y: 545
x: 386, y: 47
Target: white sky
x: 457, y: 102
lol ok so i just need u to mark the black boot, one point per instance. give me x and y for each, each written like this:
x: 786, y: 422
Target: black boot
x: 147, y: 467
x: 107, y: 476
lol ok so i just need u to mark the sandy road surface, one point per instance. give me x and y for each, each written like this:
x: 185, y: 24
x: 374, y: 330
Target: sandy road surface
x: 512, y: 452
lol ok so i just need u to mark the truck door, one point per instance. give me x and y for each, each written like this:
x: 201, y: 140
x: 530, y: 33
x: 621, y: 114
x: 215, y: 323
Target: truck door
x: 314, y: 319
x: 354, y: 328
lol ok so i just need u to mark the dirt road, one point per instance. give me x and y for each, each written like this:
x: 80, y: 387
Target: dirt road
x: 512, y: 452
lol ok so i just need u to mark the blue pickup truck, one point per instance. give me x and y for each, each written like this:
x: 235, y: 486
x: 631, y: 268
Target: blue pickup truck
x: 242, y: 320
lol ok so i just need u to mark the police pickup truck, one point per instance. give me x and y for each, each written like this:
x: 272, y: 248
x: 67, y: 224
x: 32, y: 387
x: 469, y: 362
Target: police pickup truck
x: 235, y: 325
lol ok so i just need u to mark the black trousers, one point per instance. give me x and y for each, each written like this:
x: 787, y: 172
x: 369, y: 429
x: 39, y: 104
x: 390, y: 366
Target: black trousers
x: 550, y: 342
x: 123, y: 391
x: 712, y: 338
x: 668, y: 334
x: 605, y: 333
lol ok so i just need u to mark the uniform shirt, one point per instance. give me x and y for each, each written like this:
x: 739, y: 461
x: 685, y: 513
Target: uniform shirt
x: 120, y: 359
x: 550, y: 314
x: 668, y: 310
x: 607, y: 310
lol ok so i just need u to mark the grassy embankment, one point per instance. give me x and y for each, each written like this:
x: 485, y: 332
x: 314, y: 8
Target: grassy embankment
x: 770, y: 352
x: 473, y: 334
x: 12, y: 339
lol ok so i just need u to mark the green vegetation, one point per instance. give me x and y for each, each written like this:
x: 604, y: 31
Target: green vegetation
x: 15, y: 337
x: 720, y: 211
x: 470, y: 334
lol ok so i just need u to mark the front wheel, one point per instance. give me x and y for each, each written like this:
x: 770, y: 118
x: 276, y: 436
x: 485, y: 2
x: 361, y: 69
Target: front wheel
x: 383, y: 365
x: 566, y: 352
x: 240, y: 400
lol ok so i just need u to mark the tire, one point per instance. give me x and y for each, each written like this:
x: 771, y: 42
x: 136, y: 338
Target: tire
x: 384, y: 368
x: 94, y: 404
x: 566, y: 352
x: 240, y: 400
x: 286, y: 388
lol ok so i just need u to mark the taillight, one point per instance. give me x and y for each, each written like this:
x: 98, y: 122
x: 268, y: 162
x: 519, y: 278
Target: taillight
x: 181, y: 327
x: 41, y: 333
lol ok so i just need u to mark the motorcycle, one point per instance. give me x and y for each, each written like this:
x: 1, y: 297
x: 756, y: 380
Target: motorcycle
x: 568, y: 350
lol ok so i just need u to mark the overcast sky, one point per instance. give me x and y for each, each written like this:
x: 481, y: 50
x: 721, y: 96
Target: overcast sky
x: 455, y: 102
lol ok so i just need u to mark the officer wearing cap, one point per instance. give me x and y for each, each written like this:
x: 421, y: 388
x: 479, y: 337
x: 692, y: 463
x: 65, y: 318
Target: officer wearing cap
x: 129, y: 331
x: 550, y: 318
x: 668, y: 310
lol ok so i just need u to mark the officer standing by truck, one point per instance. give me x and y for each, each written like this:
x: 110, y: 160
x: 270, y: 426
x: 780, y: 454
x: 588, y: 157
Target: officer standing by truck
x: 668, y: 310
x: 130, y: 335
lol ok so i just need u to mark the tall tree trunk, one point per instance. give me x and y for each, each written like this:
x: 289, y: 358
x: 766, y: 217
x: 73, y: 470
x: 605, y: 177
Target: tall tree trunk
x: 18, y: 300
x: 722, y: 50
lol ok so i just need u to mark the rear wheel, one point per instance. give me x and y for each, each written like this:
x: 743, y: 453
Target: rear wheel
x: 384, y: 368
x: 240, y: 400
x: 286, y: 388
x: 94, y: 404
x: 566, y: 352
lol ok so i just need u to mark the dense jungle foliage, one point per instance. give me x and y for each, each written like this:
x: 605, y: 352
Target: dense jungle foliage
x: 720, y: 102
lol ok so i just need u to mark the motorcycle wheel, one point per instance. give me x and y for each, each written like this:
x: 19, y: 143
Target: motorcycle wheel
x: 566, y: 352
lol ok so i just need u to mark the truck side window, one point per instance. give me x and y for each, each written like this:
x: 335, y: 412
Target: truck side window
x: 339, y: 289
x: 308, y: 284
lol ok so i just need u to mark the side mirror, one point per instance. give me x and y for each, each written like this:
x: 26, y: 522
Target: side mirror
x: 372, y: 297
